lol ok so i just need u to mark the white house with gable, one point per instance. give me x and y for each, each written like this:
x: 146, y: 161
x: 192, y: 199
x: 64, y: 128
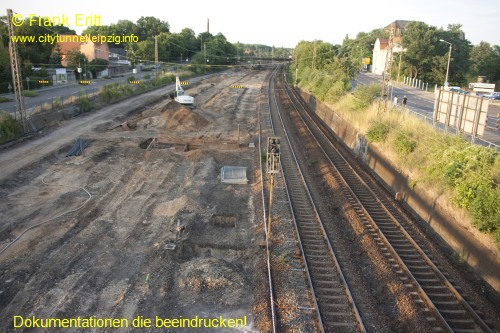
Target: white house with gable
x: 381, y: 45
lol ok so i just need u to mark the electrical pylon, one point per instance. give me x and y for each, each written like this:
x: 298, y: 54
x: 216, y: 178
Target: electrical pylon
x: 16, y: 72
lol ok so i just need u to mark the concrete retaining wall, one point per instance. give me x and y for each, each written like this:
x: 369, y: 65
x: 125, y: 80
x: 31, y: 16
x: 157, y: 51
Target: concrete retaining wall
x: 446, y: 220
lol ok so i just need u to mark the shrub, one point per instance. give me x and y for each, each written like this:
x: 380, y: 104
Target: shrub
x: 9, y: 128
x: 366, y: 95
x: 335, y: 92
x: 125, y: 90
x: 485, y: 208
x: 57, y: 102
x: 378, y: 132
x: 404, y: 144
x: 470, y: 171
x: 84, y: 104
x: 109, y: 93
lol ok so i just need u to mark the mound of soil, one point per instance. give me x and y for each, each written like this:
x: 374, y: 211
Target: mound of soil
x: 179, y: 117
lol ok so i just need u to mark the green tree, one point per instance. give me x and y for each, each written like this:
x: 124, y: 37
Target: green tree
x: 364, y: 42
x: 329, y: 75
x: 98, y: 65
x: 218, y: 51
x: 149, y: 26
x: 37, y: 54
x: 95, y: 30
x: 496, y: 78
x: 124, y: 27
x: 191, y: 44
x: 485, y: 61
x: 305, y: 56
x: 5, y: 71
x: 141, y: 51
x: 460, y: 55
x: 426, y: 57
x: 420, y: 42
x: 55, y: 58
x: 75, y: 60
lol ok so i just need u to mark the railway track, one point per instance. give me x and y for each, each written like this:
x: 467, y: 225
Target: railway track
x: 448, y: 309
x: 333, y: 302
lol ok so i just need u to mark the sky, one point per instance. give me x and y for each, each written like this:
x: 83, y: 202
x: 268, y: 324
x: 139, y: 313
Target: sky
x: 280, y: 23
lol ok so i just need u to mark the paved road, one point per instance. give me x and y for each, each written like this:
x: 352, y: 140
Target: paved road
x: 64, y: 91
x: 422, y: 102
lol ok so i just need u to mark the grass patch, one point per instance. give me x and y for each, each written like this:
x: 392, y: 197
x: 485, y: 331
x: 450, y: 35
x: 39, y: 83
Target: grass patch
x: 4, y: 99
x: 9, y: 128
x: 404, y: 144
x: 378, y: 131
x: 365, y: 95
x: 85, y: 104
x: 470, y: 174
x: 30, y: 93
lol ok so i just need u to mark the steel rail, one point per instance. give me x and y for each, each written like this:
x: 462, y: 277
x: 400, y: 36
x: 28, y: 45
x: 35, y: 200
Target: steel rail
x: 328, y: 304
x: 436, y: 306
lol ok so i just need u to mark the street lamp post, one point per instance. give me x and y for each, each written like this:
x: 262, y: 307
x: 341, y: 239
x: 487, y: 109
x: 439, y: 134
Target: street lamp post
x: 448, y: 67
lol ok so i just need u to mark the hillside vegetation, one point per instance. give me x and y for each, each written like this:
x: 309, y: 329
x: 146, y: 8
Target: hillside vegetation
x: 468, y: 174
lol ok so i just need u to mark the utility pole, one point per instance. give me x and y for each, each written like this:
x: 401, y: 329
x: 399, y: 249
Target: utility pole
x: 205, y: 52
x: 205, y: 55
x: 446, y: 83
x: 16, y: 72
x: 156, y: 56
x: 386, y: 85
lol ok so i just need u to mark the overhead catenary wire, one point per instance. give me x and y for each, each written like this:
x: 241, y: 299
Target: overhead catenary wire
x: 349, y: 44
x: 53, y: 32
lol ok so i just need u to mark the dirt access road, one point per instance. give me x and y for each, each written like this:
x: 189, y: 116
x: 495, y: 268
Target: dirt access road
x: 160, y: 235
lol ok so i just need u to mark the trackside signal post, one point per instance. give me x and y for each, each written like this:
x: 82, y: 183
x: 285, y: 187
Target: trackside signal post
x: 273, y: 167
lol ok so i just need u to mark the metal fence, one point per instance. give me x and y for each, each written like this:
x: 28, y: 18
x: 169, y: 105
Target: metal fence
x: 452, y: 130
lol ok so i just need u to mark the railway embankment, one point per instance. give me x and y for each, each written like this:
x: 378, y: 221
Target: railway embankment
x: 449, y: 223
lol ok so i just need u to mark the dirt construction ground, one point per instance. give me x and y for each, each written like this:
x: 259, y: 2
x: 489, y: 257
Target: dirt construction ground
x: 133, y: 232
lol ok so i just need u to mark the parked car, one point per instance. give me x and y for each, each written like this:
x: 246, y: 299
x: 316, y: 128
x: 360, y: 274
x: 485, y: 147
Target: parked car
x: 452, y: 88
x: 493, y: 95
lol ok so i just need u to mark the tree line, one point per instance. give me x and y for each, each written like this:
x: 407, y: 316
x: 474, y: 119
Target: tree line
x: 183, y: 47
x: 424, y: 56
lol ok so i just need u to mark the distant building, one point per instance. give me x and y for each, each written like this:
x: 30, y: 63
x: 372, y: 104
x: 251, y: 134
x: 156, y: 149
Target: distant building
x: 380, y: 53
x: 381, y: 45
x: 69, y: 43
x: 95, y: 50
x: 118, y: 62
